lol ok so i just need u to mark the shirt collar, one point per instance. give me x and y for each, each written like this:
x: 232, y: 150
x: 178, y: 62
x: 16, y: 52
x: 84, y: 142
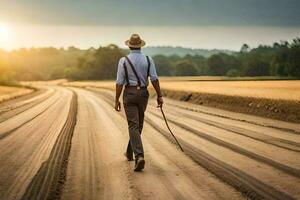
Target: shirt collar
x: 135, y: 51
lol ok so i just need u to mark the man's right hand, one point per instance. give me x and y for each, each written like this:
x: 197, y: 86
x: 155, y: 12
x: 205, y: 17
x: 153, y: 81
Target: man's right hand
x: 118, y: 106
x: 160, y: 101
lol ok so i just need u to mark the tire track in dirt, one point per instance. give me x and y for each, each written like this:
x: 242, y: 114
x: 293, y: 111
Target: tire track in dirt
x: 17, y: 107
x: 96, y: 169
x: 48, y: 182
x: 282, y: 143
x: 24, y: 100
x: 83, y: 169
x: 13, y: 123
x: 23, y: 152
x: 282, y: 128
x: 280, y: 166
x: 250, y: 186
x: 19, y: 100
x: 5, y: 134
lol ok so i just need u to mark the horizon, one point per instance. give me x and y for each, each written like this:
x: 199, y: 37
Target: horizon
x: 87, y: 37
x: 123, y: 47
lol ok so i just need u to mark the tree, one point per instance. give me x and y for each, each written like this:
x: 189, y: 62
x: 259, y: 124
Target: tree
x: 216, y: 65
x: 163, y: 65
x: 256, y: 66
x: 293, y: 67
x: 105, y: 62
x: 199, y: 61
x: 232, y: 73
x: 185, y: 68
x: 219, y: 64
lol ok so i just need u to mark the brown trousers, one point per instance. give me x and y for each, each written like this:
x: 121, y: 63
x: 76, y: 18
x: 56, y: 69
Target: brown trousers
x: 135, y: 104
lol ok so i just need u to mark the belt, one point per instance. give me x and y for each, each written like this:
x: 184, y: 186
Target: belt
x: 137, y: 87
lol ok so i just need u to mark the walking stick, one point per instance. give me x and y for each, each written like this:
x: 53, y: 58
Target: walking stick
x: 162, y: 111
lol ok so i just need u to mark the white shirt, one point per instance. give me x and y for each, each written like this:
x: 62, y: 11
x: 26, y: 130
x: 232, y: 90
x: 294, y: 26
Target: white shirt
x: 140, y: 64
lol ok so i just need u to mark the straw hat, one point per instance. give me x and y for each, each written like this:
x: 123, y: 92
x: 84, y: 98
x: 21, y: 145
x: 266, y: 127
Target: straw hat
x: 135, y: 41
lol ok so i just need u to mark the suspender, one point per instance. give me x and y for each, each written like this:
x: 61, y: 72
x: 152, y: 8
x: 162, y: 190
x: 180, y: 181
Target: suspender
x: 136, y: 75
x: 126, y: 74
x: 148, y: 69
x: 134, y: 71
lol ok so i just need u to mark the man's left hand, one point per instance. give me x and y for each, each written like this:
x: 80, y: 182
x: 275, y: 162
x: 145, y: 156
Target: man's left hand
x: 160, y: 101
x: 118, y: 106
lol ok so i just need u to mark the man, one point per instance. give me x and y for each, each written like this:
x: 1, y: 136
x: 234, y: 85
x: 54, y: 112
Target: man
x: 133, y: 72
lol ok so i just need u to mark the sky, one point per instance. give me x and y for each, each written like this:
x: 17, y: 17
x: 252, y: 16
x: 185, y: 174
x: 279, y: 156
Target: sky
x: 222, y: 24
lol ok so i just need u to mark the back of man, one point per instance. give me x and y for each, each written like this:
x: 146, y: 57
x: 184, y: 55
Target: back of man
x: 133, y: 72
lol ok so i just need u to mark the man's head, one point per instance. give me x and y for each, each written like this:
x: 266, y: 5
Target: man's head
x: 135, y: 42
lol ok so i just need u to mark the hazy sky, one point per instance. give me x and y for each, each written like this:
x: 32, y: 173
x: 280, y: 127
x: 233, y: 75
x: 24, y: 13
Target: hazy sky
x: 191, y: 23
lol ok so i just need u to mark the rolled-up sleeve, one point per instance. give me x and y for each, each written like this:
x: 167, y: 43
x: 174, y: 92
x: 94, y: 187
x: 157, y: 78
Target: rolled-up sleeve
x: 120, y: 73
x: 152, y: 71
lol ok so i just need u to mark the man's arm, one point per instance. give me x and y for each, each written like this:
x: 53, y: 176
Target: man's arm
x: 156, y: 86
x: 119, y: 89
x: 155, y: 82
x: 119, y: 84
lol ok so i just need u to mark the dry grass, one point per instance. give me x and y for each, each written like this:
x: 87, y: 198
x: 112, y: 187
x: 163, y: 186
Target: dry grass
x: 12, y: 92
x: 287, y: 90
x: 270, y: 89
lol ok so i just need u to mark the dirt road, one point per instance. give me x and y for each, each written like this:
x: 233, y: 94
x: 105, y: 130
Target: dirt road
x: 227, y: 155
x: 27, y: 140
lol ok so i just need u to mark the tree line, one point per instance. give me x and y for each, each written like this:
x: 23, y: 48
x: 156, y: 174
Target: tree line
x: 279, y: 59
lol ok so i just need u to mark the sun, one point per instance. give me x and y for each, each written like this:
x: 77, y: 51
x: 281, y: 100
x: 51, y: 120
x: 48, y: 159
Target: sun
x: 5, y: 31
x: 5, y: 35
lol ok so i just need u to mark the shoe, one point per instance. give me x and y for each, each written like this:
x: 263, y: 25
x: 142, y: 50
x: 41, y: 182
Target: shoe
x: 140, y: 164
x: 129, y: 158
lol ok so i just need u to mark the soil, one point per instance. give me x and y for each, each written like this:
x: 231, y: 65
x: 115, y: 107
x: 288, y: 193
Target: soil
x: 284, y: 110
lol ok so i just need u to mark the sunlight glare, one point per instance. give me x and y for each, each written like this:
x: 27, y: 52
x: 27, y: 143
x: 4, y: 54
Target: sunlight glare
x: 5, y: 35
